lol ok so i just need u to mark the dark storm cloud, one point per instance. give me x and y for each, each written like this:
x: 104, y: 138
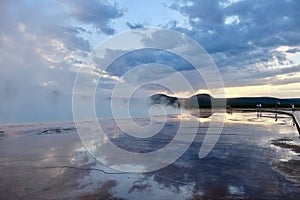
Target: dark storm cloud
x: 94, y: 12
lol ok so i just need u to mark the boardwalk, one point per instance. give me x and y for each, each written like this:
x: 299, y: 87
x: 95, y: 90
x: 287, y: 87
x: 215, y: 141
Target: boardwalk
x: 296, y: 116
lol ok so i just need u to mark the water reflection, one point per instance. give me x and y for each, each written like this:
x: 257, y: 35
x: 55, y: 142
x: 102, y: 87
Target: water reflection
x: 240, y: 165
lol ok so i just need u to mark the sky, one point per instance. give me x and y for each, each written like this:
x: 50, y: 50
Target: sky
x: 254, y: 44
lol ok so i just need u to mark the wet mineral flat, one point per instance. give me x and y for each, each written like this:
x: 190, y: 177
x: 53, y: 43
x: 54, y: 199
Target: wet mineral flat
x: 253, y: 158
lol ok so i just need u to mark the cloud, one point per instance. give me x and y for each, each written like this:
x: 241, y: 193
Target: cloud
x: 42, y: 20
x: 255, y: 77
x: 293, y: 50
x: 208, y: 11
x: 134, y: 26
x: 94, y: 12
x: 42, y: 43
x: 139, y: 57
x: 235, y: 27
x: 250, y: 41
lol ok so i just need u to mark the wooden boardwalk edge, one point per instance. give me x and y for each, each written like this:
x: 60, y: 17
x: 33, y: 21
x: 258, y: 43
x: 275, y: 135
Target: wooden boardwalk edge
x: 295, y: 117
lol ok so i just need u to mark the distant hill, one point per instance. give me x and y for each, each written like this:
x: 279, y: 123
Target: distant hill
x: 165, y: 100
x: 204, y: 101
x: 267, y: 102
x: 201, y: 100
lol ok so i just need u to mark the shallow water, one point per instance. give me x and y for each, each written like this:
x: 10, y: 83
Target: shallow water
x: 253, y: 158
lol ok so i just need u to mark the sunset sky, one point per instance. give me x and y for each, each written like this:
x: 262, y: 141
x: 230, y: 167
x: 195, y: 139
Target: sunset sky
x: 255, y: 45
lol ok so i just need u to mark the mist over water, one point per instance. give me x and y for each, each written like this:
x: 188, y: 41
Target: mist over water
x: 134, y: 108
x: 46, y: 107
